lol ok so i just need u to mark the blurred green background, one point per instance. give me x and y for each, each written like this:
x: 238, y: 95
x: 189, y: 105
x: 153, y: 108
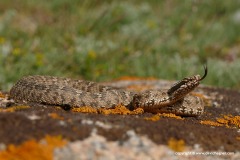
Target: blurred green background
x: 103, y: 40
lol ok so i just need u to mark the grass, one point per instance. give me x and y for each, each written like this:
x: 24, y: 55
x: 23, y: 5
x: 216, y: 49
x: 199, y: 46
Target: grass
x: 103, y: 40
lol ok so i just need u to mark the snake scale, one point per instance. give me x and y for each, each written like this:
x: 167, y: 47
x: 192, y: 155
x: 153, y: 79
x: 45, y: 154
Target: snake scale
x: 77, y: 93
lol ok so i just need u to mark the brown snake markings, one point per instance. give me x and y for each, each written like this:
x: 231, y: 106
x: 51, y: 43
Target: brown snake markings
x: 78, y: 93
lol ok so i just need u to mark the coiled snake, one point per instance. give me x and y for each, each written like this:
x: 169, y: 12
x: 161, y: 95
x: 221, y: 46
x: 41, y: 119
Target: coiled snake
x: 77, y: 93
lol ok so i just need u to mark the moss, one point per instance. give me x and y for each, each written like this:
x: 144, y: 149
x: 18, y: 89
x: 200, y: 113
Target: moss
x: 42, y: 150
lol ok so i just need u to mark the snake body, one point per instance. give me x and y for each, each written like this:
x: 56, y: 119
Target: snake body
x: 77, y: 93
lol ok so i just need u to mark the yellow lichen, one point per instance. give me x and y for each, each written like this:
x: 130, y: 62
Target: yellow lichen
x: 176, y: 145
x: 31, y: 149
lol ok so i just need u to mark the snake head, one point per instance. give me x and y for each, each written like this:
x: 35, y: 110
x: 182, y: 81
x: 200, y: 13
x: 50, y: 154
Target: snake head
x: 185, y: 86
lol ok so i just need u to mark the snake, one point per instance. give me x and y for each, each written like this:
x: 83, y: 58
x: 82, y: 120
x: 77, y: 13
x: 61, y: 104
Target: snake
x: 61, y: 91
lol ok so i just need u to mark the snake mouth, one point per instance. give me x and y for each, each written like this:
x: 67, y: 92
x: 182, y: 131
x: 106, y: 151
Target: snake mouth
x: 205, y: 72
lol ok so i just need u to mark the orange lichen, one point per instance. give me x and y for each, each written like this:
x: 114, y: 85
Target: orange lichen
x: 162, y: 113
x: 14, y: 108
x: 85, y: 109
x: 55, y: 116
x: 176, y: 145
x: 211, y: 123
x: 156, y: 117
x: 32, y: 149
x: 171, y: 115
x: 222, y: 121
x: 120, y: 109
x: 227, y: 120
